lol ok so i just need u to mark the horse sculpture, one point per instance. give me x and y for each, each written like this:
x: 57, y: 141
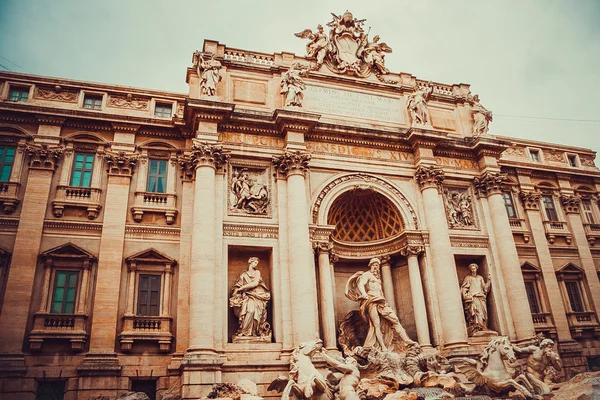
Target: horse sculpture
x: 304, y: 381
x: 490, y: 374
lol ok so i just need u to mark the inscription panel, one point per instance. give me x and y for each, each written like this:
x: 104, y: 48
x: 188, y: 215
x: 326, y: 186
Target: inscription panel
x: 359, y: 152
x: 324, y: 100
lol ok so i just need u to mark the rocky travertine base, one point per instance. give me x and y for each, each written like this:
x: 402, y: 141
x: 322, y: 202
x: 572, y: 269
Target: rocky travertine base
x: 585, y: 386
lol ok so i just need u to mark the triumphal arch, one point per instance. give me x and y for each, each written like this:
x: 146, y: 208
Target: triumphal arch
x: 288, y: 215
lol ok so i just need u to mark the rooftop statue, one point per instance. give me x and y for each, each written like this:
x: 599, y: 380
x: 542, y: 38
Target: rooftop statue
x: 481, y: 118
x: 347, y: 49
x: 292, y: 84
x: 209, y: 72
x: 417, y: 106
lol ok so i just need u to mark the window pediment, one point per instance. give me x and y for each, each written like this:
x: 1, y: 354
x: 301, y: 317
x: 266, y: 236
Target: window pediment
x: 150, y: 256
x: 570, y: 268
x: 528, y: 267
x: 68, y: 251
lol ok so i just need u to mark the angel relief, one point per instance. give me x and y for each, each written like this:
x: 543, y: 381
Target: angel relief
x: 347, y: 49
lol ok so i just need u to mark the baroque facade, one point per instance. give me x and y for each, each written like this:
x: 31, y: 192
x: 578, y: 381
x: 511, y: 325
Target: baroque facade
x: 163, y: 242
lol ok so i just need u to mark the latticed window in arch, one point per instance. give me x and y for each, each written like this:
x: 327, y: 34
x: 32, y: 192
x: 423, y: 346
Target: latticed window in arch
x: 363, y: 215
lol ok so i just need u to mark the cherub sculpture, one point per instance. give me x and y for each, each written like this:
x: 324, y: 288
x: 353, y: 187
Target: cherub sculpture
x: 318, y: 46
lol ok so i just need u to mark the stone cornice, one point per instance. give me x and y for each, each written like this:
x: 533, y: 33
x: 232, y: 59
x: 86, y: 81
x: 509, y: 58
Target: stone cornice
x: 429, y: 176
x: 121, y: 127
x: 50, y: 120
x: 291, y: 163
x: 490, y: 183
x: 294, y: 120
x: 487, y: 146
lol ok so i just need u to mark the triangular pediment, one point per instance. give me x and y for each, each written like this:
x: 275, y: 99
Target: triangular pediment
x: 68, y: 250
x: 529, y: 267
x: 570, y: 268
x: 150, y: 256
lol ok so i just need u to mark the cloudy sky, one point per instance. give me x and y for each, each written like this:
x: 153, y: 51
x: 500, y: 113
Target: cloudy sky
x: 534, y: 63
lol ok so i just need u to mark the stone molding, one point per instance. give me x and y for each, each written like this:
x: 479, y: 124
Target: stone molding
x: 530, y: 200
x: 291, y: 163
x: 490, y: 183
x: 121, y: 164
x: 469, y: 242
x: 570, y: 203
x: 429, y: 177
x: 43, y: 157
x: 251, y: 231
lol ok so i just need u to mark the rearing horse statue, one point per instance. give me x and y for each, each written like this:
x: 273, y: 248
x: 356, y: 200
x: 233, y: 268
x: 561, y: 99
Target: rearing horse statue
x: 490, y: 374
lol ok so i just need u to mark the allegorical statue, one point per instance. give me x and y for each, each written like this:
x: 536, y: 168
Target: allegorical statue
x: 292, y: 84
x: 481, y: 118
x: 540, y: 359
x: 250, y: 195
x: 209, y: 72
x: 374, y: 55
x: 417, y: 106
x: 350, y: 375
x: 318, y: 46
x: 365, y: 288
x: 474, y: 290
x: 249, y: 299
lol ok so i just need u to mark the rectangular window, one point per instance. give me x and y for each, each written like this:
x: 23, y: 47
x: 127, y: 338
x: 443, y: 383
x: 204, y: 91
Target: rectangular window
x: 510, y: 206
x: 549, y: 207
x: 574, y: 296
x: 157, y: 176
x: 92, y: 102
x: 50, y: 390
x: 149, y: 295
x: 18, y: 94
x: 532, y: 297
x: 535, y: 155
x: 162, y: 110
x: 82, y: 170
x: 7, y: 157
x: 572, y: 160
x: 586, y: 206
x: 65, y: 292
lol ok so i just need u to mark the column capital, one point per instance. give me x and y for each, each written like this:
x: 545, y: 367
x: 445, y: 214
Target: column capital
x: 291, y: 163
x: 385, y: 260
x: 187, y: 164
x: 333, y: 258
x: 530, y: 200
x: 570, y: 203
x: 208, y: 155
x: 412, y: 251
x: 429, y: 176
x: 41, y: 156
x: 322, y: 247
x: 121, y: 163
x: 489, y: 183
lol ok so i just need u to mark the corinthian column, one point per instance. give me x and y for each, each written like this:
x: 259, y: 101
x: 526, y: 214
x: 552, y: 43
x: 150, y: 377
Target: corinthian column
x: 418, y: 297
x: 490, y: 185
x: 327, y: 306
x: 292, y: 165
x: 388, y: 283
x: 454, y: 329
x: 206, y: 159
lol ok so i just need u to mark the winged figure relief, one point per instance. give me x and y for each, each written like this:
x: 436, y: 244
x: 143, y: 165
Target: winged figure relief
x: 318, y: 46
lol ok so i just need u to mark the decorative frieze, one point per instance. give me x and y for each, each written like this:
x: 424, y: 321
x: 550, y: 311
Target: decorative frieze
x: 431, y: 176
x: 205, y: 154
x: 459, y: 208
x: 530, y: 200
x: 43, y: 157
x: 570, y: 203
x: 251, y: 231
x: 291, y: 163
x: 128, y: 101
x: 57, y: 93
x: 121, y: 163
x: 490, y: 183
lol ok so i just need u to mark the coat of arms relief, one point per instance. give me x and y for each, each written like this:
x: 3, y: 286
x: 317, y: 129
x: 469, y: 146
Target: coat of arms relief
x: 346, y: 48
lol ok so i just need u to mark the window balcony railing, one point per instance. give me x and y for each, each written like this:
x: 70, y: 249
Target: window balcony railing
x: 581, y: 321
x: 77, y: 197
x: 9, y: 192
x: 519, y: 226
x: 161, y: 203
x: 592, y: 232
x: 557, y: 228
x: 47, y: 326
x: 143, y: 328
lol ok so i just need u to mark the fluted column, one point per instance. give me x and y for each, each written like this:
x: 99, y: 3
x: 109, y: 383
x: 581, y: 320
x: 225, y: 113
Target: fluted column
x: 490, y: 186
x: 206, y: 159
x: 571, y: 205
x: 453, y: 326
x: 292, y: 165
x: 388, y: 283
x: 531, y: 203
x: 327, y: 306
x: 418, y: 297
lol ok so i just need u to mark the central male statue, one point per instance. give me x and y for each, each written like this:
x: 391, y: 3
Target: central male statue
x: 365, y: 288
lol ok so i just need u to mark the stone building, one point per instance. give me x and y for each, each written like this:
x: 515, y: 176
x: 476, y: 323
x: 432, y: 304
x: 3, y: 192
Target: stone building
x: 130, y: 213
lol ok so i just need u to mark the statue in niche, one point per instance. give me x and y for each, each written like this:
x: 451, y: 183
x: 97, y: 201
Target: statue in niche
x: 249, y: 194
x: 249, y: 299
x: 292, y: 84
x: 417, y: 106
x: 385, y: 331
x: 318, y: 46
x: 481, y: 118
x: 209, y: 72
x: 474, y: 290
x: 459, y: 208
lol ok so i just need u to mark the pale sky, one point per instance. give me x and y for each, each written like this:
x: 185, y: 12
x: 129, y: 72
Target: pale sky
x: 534, y: 63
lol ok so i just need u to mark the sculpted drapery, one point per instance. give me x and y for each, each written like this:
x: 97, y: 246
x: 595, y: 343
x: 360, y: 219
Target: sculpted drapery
x: 474, y: 290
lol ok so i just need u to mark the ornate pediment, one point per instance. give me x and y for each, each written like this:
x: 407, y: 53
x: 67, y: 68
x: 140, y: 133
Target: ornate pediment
x: 346, y: 48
